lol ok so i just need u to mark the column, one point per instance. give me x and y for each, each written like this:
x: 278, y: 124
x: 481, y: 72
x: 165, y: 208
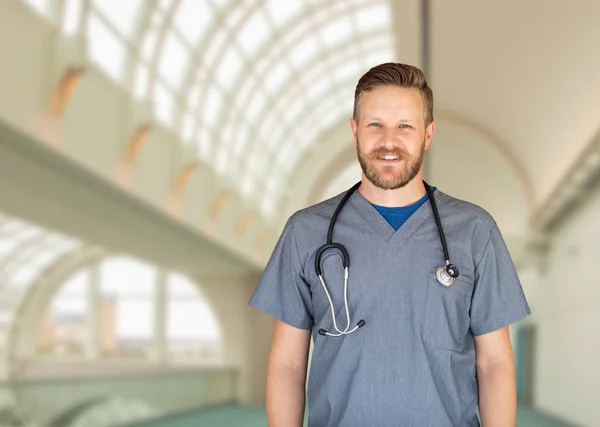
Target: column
x: 160, y: 318
x: 412, y: 32
x: 92, y: 342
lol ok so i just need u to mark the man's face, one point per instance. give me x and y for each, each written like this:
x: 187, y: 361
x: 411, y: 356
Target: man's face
x: 390, y: 136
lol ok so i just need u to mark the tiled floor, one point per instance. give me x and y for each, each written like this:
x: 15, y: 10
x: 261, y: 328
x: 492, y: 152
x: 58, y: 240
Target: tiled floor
x: 239, y: 416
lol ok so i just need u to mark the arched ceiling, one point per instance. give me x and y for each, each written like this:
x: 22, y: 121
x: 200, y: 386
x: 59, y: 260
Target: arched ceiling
x: 526, y: 71
x: 252, y: 85
x: 26, y: 250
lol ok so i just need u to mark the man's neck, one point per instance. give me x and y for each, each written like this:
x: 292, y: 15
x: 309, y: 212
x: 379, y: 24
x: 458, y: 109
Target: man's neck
x: 405, y: 196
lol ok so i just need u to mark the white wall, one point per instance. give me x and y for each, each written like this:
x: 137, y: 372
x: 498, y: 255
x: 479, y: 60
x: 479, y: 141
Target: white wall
x: 22, y: 64
x: 567, y: 370
x: 471, y: 167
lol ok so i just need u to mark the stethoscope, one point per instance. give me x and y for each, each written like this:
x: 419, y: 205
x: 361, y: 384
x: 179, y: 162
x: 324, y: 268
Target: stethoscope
x: 446, y: 274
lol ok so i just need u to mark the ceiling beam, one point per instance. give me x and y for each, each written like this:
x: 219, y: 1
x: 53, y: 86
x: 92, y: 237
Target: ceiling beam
x: 45, y: 187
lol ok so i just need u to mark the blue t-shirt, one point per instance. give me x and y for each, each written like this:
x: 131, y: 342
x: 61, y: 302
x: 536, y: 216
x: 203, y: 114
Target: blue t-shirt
x: 397, y: 216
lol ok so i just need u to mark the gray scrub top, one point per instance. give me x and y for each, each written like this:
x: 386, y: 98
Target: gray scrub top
x: 413, y: 362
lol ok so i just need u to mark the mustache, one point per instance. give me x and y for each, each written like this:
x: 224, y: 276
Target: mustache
x: 382, y: 151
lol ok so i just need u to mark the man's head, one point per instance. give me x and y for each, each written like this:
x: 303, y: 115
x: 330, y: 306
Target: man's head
x: 392, y: 123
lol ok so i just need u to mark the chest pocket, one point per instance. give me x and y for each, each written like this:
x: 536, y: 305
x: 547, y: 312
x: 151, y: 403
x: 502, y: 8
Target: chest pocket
x: 446, y: 313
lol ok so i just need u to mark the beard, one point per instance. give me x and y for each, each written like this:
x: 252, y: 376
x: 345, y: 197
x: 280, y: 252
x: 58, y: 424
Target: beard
x: 393, y: 176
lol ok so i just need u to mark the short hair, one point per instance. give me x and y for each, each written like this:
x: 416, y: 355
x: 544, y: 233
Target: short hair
x: 395, y: 74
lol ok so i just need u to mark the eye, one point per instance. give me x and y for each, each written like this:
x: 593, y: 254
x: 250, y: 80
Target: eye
x: 405, y: 126
x: 375, y: 124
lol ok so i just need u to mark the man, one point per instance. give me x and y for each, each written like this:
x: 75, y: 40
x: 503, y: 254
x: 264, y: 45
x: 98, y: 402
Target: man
x: 424, y: 353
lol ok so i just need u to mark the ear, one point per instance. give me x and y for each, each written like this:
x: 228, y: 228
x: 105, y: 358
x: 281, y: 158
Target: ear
x: 354, y: 128
x: 429, y: 134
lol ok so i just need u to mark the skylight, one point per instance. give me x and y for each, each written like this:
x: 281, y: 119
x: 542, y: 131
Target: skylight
x: 121, y: 14
x: 239, y: 79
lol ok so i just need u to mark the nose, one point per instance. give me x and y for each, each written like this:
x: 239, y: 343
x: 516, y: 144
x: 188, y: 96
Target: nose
x: 389, y: 138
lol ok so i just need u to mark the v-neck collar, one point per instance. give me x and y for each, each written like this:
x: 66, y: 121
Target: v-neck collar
x: 380, y: 224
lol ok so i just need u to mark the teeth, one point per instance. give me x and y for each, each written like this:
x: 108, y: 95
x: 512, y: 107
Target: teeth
x: 390, y: 158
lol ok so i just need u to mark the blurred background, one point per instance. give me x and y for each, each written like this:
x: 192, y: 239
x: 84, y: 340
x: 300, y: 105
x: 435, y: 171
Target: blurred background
x: 151, y: 151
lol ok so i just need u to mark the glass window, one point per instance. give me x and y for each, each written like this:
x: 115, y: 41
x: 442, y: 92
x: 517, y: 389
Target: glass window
x: 318, y: 89
x: 294, y: 34
x: 253, y: 34
x: 205, y: 144
x: 229, y: 68
x: 192, y: 19
x: 149, y: 45
x: 346, y: 70
x: 62, y: 325
x: 220, y: 4
x: 72, y: 16
x: 127, y: 288
x: 105, y: 48
x: 164, y: 105
x: 14, y: 233
x: 122, y: 14
x: 283, y: 11
x: 272, y: 185
x: 222, y: 161
x: 373, y: 18
x: 127, y: 276
x: 192, y: 328
x: 165, y: 5
x: 265, y: 72
x: 212, y: 106
x: 188, y: 127
x: 255, y: 107
x: 267, y: 204
x: 215, y: 47
x: 248, y: 187
x: 241, y: 141
x: 174, y: 61
x: 304, y: 51
x: 228, y: 133
x: 337, y: 31
x: 142, y: 78
x: 379, y: 57
x: 276, y: 77
x: 233, y: 17
x: 32, y: 259
x: 40, y: 6
x: 240, y: 98
x: 271, y: 131
x: 194, y: 97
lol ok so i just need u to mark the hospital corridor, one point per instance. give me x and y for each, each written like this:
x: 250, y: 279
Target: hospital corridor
x: 152, y: 152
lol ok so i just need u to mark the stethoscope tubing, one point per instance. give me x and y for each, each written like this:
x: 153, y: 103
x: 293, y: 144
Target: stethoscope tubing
x: 445, y: 275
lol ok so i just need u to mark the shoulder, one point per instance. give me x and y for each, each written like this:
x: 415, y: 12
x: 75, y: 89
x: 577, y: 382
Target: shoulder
x: 467, y: 210
x: 317, y: 212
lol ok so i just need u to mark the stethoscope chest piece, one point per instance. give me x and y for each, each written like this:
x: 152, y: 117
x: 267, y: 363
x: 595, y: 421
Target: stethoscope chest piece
x: 446, y: 275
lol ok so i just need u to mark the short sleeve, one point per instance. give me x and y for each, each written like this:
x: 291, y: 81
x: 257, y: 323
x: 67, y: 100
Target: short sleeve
x: 282, y: 291
x: 498, y: 299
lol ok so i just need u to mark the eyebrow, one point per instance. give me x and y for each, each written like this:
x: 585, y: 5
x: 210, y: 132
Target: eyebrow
x: 403, y: 120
